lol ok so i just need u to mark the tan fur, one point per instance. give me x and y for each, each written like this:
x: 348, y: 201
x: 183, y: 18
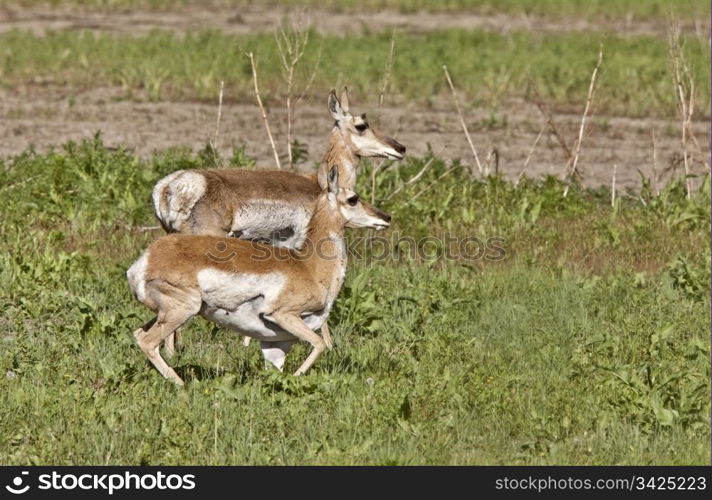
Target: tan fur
x: 229, y: 191
x: 166, y: 280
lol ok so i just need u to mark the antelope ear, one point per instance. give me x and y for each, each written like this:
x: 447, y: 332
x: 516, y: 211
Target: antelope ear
x: 334, y: 180
x: 335, y: 108
x: 322, y: 175
x: 345, y: 99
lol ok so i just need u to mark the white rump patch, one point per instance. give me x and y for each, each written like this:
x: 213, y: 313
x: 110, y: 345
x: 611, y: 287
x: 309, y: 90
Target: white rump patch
x: 136, y: 275
x: 276, y: 221
x: 185, y: 188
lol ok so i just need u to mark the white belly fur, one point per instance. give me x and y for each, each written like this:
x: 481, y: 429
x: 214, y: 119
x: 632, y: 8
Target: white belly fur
x: 238, y: 302
x: 247, y: 320
x: 268, y: 220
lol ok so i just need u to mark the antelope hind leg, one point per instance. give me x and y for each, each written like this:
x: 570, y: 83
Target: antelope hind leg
x: 171, y: 342
x: 150, y: 341
x: 326, y: 334
x: 176, y: 306
x: 139, y: 332
x: 296, y: 326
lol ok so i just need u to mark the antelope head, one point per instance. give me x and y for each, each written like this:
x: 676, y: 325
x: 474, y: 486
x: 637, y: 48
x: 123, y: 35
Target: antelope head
x: 358, y: 135
x: 354, y: 212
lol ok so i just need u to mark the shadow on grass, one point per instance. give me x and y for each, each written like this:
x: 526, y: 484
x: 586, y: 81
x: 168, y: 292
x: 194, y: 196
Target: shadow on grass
x: 199, y: 373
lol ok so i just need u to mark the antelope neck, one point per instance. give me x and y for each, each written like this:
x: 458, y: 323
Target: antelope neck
x: 342, y: 155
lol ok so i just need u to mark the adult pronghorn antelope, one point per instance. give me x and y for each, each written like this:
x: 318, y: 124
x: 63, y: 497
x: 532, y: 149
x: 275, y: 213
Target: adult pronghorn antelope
x: 267, y: 205
x: 274, y: 294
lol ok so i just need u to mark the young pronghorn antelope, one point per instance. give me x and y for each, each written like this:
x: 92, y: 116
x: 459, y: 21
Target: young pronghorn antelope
x: 273, y: 294
x: 267, y: 205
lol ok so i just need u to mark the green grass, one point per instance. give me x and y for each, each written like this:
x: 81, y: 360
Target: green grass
x: 587, y: 344
x: 487, y: 67
x: 599, y: 8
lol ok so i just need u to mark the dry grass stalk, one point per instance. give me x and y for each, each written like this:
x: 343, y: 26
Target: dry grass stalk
x: 684, y: 86
x: 492, y: 156
x: 531, y: 152
x: 374, y: 171
x: 613, y: 186
x: 436, y: 181
x: 656, y: 172
x: 262, y: 109
x: 582, y: 127
x: 215, y: 143
x: 389, y: 68
x: 417, y: 176
x: 381, y: 97
x: 539, y: 102
x: 292, y: 41
x: 462, y: 121
x: 310, y: 80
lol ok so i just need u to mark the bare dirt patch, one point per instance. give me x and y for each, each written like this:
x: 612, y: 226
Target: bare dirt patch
x: 47, y: 116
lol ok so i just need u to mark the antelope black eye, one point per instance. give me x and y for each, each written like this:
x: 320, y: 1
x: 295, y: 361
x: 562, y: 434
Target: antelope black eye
x: 353, y: 200
x: 362, y: 128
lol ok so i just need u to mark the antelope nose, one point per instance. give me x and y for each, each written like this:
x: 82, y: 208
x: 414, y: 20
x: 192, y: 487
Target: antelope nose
x: 386, y: 217
x: 400, y: 148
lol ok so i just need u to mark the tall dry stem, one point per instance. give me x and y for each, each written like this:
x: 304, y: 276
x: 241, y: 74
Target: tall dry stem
x: 215, y: 143
x: 684, y: 88
x: 543, y: 108
x: 388, y: 70
x: 381, y: 97
x: 262, y: 109
x: 589, y: 100
x: 292, y: 39
x: 462, y: 121
x: 419, y: 175
x: 656, y: 172
x: 531, y: 152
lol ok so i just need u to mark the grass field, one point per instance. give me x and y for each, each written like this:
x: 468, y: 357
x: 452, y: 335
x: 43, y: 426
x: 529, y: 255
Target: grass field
x: 488, y: 67
x: 587, y: 343
x: 580, y: 335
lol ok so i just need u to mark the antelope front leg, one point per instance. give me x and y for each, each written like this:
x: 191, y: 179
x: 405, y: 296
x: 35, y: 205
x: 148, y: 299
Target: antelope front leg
x: 294, y: 325
x: 327, y: 336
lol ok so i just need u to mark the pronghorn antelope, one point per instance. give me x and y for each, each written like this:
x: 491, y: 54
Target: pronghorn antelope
x: 267, y: 205
x: 273, y: 294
